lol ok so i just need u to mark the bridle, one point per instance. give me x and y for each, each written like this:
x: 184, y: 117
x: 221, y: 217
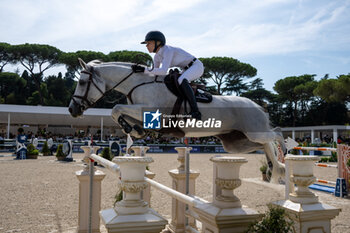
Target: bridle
x: 84, y: 98
x: 88, y: 104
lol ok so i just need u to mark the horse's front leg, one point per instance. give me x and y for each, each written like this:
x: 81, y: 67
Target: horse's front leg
x: 129, y: 117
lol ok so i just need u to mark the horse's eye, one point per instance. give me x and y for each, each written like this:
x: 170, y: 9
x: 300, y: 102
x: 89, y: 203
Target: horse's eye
x: 82, y: 82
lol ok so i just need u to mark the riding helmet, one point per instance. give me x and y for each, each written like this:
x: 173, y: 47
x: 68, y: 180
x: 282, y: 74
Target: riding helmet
x: 156, y: 36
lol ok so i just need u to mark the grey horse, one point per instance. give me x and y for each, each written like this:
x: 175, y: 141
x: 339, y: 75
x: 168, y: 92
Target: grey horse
x: 244, y: 126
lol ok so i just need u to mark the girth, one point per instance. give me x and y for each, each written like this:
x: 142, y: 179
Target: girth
x: 139, y: 85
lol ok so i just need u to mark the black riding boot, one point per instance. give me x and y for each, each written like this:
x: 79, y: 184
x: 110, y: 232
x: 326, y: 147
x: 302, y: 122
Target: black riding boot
x: 188, y: 92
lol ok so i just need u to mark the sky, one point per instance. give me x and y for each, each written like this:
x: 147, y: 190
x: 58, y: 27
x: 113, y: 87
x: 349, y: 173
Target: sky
x: 280, y: 38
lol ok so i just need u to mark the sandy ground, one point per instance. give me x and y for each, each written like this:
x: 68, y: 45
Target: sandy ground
x: 42, y: 195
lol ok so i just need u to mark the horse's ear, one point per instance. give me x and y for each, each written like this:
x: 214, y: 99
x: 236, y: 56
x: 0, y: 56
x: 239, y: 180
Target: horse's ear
x: 83, y: 64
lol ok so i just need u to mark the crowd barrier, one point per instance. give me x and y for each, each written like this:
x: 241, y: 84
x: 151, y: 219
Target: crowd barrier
x: 10, y: 146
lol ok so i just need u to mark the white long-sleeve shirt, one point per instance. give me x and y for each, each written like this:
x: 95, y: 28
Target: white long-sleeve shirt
x: 167, y: 57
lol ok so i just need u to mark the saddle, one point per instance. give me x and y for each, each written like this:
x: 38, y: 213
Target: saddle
x: 202, y: 96
x: 172, y: 84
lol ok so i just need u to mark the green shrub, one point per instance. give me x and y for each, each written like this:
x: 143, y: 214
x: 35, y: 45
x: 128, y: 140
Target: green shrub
x: 59, y: 152
x: 31, y: 150
x: 324, y: 160
x: 263, y: 168
x: 274, y: 221
x: 45, y: 150
x: 106, y: 153
x: 118, y: 196
x: 333, y: 157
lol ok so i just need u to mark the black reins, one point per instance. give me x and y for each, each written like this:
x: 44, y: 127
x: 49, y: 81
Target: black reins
x: 91, y: 81
x: 84, y: 98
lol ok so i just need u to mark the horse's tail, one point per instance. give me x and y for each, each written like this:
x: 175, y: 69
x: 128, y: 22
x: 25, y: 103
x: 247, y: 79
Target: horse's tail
x: 280, y: 139
x: 278, y: 168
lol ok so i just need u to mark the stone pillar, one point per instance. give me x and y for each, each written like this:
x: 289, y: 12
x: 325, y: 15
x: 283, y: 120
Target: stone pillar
x: 84, y: 190
x: 146, y: 193
x: 181, y: 153
x: 140, y: 150
x: 335, y: 135
x: 132, y: 214
x: 312, y: 136
x: 226, y: 214
x: 84, y: 187
x: 178, y: 209
x: 303, y: 207
x: 87, y: 151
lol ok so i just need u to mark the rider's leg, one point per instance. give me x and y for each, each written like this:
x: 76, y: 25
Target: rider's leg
x: 194, y: 72
x: 187, y: 90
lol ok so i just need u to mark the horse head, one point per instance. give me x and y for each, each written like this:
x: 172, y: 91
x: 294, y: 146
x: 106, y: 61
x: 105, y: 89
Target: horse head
x: 89, y: 90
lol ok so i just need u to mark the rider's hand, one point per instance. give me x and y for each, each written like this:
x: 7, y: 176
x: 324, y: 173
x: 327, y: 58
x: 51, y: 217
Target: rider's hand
x: 138, y: 69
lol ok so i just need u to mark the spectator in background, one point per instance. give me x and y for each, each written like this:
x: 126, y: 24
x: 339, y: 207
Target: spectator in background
x: 21, y: 150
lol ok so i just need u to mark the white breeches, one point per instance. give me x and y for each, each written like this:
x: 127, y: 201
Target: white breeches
x: 192, y: 73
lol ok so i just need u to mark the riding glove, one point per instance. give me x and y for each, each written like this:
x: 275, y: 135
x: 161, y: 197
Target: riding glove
x: 138, y: 69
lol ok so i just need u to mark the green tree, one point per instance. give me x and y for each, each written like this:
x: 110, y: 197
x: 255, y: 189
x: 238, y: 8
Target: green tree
x: 35, y: 98
x: 58, y: 92
x: 30, y: 86
x: 277, y: 111
x: 70, y: 60
x: 334, y: 90
x: 296, y: 90
x: 260, y: 96
x: 258, y: 93
x: 256, y: 84
x: 6, y: 56
x: 130, y: 56
x: 227, y: 73
x: 323, y: 113
x: 11, y: 88
x: 36, y: 59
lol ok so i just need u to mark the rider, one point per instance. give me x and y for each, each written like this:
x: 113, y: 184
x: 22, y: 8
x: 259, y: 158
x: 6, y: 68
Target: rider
x: 166, y: 57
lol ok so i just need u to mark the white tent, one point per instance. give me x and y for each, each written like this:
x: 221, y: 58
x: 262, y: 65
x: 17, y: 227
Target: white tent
x: 53, y: 117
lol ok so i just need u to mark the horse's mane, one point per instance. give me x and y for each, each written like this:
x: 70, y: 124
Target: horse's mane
x: 102, y: 63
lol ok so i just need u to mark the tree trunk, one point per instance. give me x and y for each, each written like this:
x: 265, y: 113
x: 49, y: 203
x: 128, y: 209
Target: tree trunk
x: 294, y: 113
x: 38, y: 83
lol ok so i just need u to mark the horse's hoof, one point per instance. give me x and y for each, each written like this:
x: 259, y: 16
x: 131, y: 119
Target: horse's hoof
x: 127, y: 128
x: 139, y: 130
